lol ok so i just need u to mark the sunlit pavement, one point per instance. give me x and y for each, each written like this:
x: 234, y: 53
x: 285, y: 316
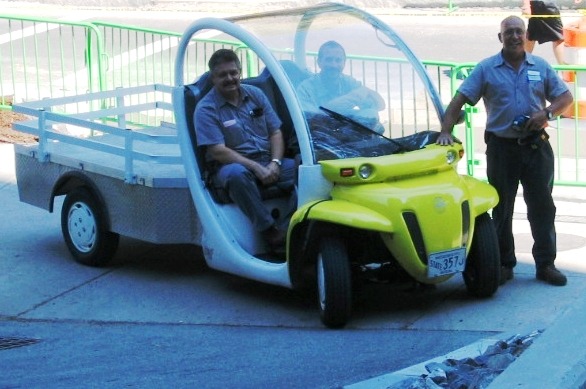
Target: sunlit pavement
x: 557, y: 359
x: 520, y: 306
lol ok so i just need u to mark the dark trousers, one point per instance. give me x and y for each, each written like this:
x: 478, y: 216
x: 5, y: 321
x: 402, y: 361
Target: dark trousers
x: 244, y: 190
x: 508, y: 164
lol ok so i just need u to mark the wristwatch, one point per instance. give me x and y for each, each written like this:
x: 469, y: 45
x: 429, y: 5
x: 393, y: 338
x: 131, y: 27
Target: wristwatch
x: 549, y: 114
x: 277, y: 161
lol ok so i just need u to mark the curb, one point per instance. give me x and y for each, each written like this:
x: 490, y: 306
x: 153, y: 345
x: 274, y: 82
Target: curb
x: 557, y: 358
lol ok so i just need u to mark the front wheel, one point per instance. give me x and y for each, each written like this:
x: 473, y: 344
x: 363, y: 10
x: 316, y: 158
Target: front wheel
x: 482, y: 272
x: 334, y: 285
x: 84, y: 229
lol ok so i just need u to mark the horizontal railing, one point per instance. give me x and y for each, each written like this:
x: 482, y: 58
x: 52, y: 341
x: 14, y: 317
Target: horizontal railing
x: 140, y: 144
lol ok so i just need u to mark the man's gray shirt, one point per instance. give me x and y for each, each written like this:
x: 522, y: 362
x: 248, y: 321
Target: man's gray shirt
x: 245, y: 128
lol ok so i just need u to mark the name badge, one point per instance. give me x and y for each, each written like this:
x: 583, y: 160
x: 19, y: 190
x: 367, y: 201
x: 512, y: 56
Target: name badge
x: 229, y: 123
x: 533, y: 75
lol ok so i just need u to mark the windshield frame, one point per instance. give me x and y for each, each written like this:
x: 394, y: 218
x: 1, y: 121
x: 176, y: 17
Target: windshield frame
x: 236, y: 27
x: 309, y: 14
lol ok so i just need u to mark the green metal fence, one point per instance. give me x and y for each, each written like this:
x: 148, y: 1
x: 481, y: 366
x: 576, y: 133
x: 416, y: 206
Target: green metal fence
x: 41, y: 58
x: 33, y: 66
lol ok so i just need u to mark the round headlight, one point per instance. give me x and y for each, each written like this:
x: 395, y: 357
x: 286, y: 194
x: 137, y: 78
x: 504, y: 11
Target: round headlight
x: 451, y: 157
x: 365, y: 171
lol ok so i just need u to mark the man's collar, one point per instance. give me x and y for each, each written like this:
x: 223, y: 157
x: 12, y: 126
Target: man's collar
x: 529, y: 58
x: 221, y: 100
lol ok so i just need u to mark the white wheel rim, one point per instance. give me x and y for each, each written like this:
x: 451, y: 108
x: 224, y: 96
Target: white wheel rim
x: 321, y: 283
x: 81, y: 224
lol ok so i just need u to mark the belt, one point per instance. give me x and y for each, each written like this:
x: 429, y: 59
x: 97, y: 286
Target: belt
x: 534, y: 140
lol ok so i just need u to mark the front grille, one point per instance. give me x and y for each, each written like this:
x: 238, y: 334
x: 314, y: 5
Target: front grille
x: 465, y: 222
x: 416, y: 235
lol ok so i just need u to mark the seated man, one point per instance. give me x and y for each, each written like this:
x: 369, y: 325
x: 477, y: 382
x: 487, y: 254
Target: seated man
x: 332, y: 89
x: 244, y: 144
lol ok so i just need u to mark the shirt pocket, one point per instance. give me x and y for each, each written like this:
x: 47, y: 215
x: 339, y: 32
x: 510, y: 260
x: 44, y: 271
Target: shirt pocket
x: 536, y: 89
x: 233, y: 133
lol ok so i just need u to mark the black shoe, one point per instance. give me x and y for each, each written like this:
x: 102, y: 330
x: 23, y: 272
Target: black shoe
x: 551, y: 275
x: 506, y: 274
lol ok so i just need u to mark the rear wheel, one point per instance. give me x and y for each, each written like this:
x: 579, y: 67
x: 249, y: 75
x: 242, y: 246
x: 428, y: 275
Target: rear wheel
x: 334, y: 285
x: 84, y: 229
x: 482, y: 272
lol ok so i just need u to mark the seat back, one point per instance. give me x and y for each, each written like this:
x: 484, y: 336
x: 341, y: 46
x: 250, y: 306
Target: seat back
x: 267, y: 84
x: 193, y: 93
x: 294, y: 72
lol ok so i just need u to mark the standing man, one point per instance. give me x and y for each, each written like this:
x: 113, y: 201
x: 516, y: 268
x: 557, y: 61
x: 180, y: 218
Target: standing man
x: 243, y: 141
x: 515, y: 86
x: 546, y: 26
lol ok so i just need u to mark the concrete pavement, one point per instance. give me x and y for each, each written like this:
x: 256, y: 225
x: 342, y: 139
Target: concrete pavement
x: 557, y: 359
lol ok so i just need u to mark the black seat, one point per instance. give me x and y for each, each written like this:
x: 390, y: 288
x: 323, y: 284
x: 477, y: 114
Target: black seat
x: 193, y: 93
x: 294, y: 72
x: 267, y: 84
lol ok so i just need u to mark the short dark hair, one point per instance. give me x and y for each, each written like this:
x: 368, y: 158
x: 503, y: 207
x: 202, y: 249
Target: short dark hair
x: 223, y: 56
x: 329, y: 45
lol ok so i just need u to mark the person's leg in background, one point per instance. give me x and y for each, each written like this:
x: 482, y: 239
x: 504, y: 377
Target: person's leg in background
x: 558, y: 51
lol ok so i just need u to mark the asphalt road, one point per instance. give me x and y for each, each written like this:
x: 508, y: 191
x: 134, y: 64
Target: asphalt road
x: 158, y: 317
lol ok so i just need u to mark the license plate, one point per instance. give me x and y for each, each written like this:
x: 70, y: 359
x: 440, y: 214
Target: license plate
x: 446, y: 262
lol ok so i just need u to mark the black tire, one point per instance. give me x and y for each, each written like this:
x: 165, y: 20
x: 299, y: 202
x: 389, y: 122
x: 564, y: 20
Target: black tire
x: 334, y: 282
x: 84, y: 229
x: 482, y: 272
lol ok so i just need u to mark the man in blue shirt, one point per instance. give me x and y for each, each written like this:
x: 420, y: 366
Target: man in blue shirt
x: 243, y: 141
x: 332, y: 89
x: 515, y: 86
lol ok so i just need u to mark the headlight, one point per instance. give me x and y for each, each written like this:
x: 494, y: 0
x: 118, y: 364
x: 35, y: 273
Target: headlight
x: 451, y: 156
x: 365, y: 171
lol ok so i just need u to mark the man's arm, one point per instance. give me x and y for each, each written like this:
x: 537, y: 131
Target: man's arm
x: 277, y: 145
x: 561, y: 103
x: 224, y: 155
x: 450, y: 119
x: 558, y: 106
x: 361, y: 97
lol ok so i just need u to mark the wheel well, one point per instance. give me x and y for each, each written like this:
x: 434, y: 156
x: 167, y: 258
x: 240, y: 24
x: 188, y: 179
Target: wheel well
x: 73, y: 180
x: 303, y: 248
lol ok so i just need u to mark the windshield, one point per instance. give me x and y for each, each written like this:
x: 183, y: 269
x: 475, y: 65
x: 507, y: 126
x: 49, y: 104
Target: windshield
x: 347, y: 70
x: 337, y: 137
